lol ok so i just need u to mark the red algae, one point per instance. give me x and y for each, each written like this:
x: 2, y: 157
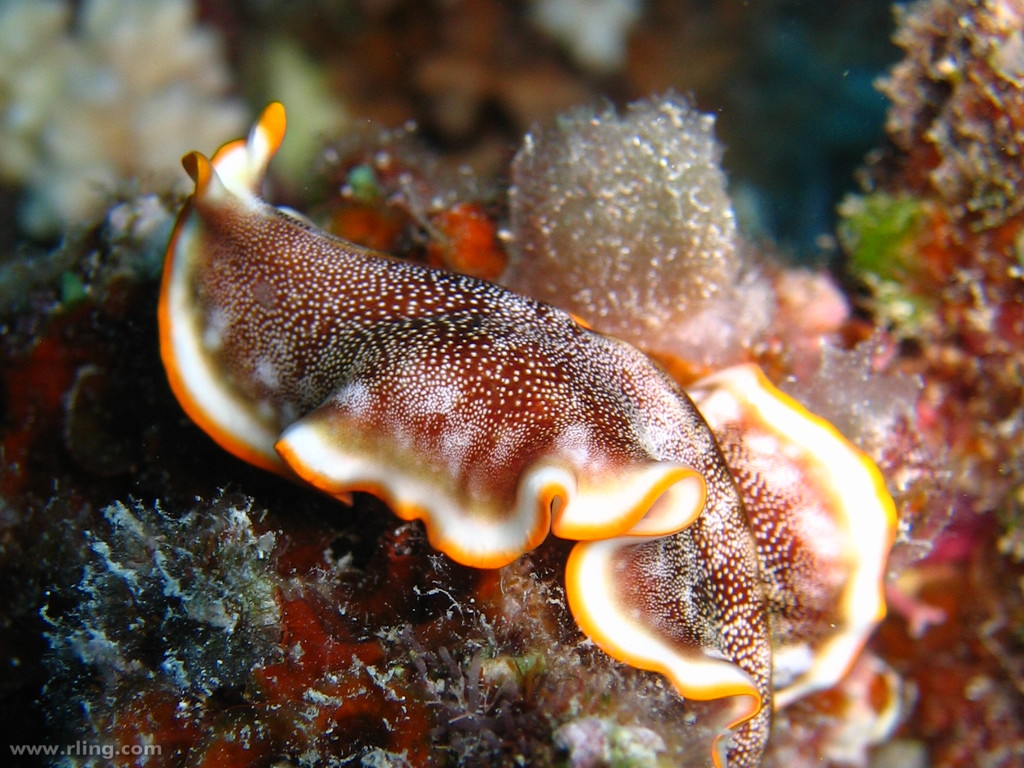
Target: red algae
x: 466, y: 241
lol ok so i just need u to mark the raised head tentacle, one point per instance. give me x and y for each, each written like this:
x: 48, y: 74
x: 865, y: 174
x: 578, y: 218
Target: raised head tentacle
x: 242, y: 164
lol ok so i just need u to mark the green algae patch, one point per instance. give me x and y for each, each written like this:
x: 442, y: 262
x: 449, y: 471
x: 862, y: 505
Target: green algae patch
x: 880, y: 234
